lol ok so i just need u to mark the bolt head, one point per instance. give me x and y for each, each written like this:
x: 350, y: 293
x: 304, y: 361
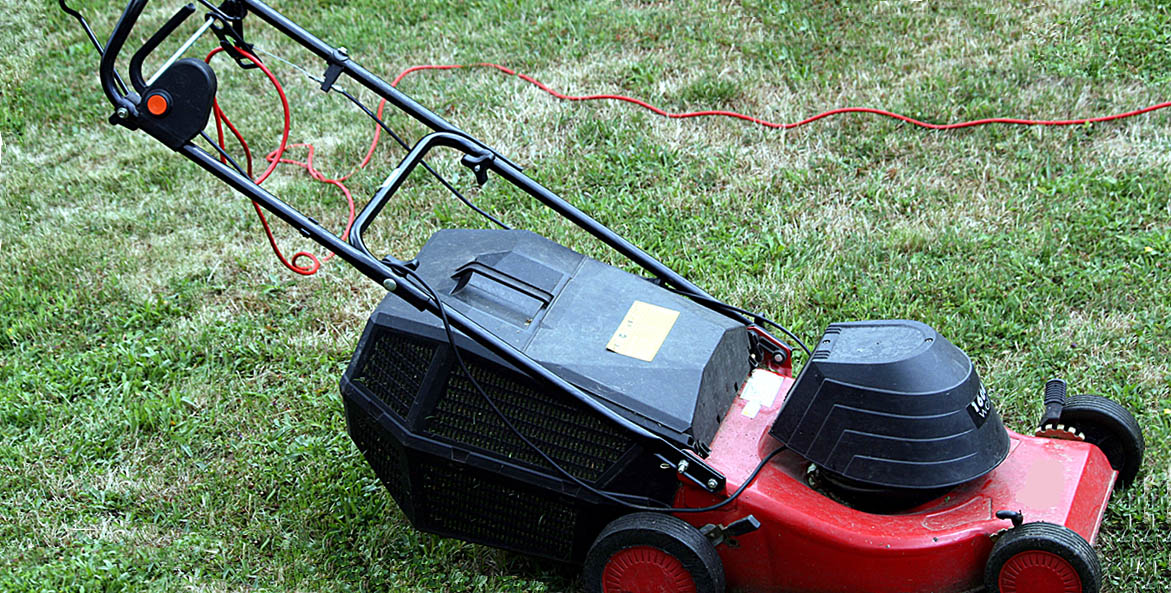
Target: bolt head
x: 122, y: 113
x: 712, y: 484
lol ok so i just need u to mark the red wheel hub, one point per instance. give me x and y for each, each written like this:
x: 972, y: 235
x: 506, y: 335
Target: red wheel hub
x: 1036, y: 571
x: 643, y: 569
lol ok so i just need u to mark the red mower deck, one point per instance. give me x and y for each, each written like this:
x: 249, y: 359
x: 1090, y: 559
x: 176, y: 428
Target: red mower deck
x: 811, y: 543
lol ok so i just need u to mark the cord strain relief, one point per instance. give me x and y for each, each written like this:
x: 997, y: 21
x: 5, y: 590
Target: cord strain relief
x: 1055, y: 390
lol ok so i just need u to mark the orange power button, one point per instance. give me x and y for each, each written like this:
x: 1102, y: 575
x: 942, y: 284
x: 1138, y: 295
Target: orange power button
x: 157, y: 105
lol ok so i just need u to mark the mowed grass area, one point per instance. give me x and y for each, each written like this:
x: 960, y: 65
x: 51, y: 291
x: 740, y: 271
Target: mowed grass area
x: 169, y: 412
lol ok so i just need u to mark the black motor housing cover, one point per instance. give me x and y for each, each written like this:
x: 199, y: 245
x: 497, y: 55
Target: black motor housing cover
x: 892, y: 404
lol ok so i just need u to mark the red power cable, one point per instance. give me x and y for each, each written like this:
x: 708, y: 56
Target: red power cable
x: 275, y: 158
x: 785, y: 126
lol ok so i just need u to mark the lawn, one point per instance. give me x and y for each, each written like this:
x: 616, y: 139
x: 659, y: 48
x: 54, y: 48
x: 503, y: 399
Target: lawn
x: 169, y: 410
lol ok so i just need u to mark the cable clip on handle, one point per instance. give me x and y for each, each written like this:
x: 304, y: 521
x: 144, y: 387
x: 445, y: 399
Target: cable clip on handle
x: 229, y: 29
x: 478, y: 163
x: 334, y: 70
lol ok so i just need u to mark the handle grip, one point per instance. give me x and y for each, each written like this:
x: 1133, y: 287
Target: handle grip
x: 464, y: 274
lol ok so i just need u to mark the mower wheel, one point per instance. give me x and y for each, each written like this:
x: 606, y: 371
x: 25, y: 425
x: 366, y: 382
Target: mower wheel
x: 652, y: 553
x: 1111, y: 427
x: 1042, y: 558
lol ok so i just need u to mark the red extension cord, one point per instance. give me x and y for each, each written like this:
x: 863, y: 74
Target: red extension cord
x: 276, y: 157
x: 785, y: 126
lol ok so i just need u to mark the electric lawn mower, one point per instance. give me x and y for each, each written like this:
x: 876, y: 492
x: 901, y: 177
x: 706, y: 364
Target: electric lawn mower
x: 512, y: 392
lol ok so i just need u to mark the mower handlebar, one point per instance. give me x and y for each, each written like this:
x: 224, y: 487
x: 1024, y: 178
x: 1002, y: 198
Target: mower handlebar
x: 483, y: 162
x: 109, y: 58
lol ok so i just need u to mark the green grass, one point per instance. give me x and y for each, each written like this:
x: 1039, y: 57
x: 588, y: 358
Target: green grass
x: 169, y: 417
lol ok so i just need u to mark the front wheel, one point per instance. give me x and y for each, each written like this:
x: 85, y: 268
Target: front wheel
x: 652, y: 553
x: 1110, y: 426
x: 1042, y: 558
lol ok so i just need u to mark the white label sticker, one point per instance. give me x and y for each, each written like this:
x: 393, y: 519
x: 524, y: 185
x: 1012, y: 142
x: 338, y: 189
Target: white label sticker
x: 760, y: 391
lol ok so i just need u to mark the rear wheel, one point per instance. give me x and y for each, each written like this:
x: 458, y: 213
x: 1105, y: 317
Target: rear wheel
x: 1042, y: 558
x: 652, y: 553
x: 1110, y: 426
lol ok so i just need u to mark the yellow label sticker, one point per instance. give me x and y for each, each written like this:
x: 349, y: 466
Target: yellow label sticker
x: 643, y: 331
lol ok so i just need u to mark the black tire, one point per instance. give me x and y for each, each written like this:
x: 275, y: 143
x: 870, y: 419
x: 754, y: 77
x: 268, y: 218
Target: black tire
x: 1111, y: 427
x: 1042, y: 558
x: 657, y: 544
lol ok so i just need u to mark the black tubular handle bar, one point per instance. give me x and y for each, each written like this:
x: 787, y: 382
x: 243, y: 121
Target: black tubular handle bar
x: 110, y: 56
x: 384, y: 272
x: 334, y: 57
x: 404, y: 169
x: 135, y: 66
